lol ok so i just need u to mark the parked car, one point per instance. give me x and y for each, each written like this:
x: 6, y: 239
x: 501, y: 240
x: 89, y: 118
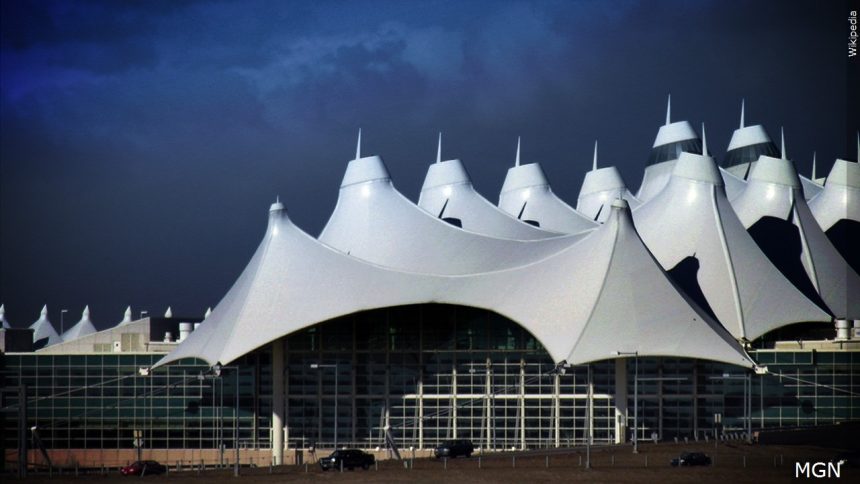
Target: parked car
x: 143, y: 468
x: 453, y: 448
x: 691, y: 459
x: 351, y: 458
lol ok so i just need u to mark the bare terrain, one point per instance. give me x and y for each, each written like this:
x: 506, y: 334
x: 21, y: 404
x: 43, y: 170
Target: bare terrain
x: 733, y: 463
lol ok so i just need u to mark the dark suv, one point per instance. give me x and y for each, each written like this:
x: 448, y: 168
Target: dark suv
x: 691, y: 459
x: 348, y: 458
x: 453, y: 448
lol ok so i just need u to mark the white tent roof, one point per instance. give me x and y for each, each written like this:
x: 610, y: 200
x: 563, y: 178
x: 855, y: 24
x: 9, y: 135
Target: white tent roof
x: 81, y: 328
x: 577, y: 302
x: 672, y: 139
x: 527, y: 195
x: 745, y: 146
x: 374, y: 222
x: 734, y: 185
x: 840, y: 197
x: 600, y: 187
x: 43, y: 330
x: 126, y: 318
x: 448, y: 194
x: 5, y: 323
x: 690, y: 226
x: 774, y: 190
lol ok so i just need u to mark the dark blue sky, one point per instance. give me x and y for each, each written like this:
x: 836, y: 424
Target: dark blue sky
x: 142, y: 142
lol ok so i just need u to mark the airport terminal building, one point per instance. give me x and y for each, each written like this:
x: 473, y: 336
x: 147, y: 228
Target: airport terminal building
x: 708, y: 303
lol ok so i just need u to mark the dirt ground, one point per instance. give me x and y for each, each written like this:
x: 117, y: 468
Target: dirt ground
x: 733, y: 463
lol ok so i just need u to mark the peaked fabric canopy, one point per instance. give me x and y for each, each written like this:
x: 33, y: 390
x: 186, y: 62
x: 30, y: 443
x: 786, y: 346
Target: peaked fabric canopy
x: 693, y: 232
x: 840, y: 197
x: 734, y: 185
x: 810, y: 188
x: 374, y: 222
x: 449, y: 195
x: 527, y: 195
x: 81, y: 328
x: 3, y: 321
x: 600, y: 187
x: 602, y: 295
x: 672, y: 140
x: 44, y: 333
x: 837, y: 210
x: 774, y: 211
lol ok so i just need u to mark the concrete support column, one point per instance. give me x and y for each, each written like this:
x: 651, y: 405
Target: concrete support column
x: 522, y: 403
x: 556, y: 406
x: 620, y: 398
x: 454, y: 402
x: 488, y: 410
x: 843, y: 329
x: 278, y: 402
x: 421, y: 411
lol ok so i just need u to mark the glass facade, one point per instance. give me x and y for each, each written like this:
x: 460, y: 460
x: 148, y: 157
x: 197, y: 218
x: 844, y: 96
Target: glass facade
x: 430, y: 373
x: 671, y: 151
x: 745, y: 155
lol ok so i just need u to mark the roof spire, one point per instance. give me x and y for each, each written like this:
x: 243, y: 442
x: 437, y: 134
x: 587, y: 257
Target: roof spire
x: 813, y: 166
x: 742, y: 113
x: 2, y: 310
x: 669, y: 110
x: 168, y: 313
x: 517, y: 163
x: 782, y: 143
x: 439, y: 149
x: 277, y: 199
x: 127, y: 315
x: 86, y: 313
x: 358, y: 146
x: 705, y: 139
x: 594, y: 161
x: 44, y: 310
x: 208, y: 313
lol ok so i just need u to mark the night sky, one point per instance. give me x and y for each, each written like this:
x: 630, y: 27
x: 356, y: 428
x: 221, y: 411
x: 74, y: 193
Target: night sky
x: 141, y: 143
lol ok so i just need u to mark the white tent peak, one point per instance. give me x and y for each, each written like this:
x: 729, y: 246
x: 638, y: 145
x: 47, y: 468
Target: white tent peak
x: 81, y: 328
x: 705, y: 141
x: 2, y: 310
x: 3, y: 322
x: 358, y: 146
x: 517, y: 161
x: 208, y: 312
x: 126, y: 317
x: 44, y: 310
x: 439, y: 149
x: 669, y: 110
x: 742, y: 114
x: 594, y: 161
x: 813, y: 166
x: 168, y: 313
x: 782, y: 153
